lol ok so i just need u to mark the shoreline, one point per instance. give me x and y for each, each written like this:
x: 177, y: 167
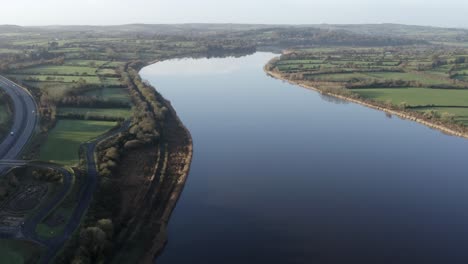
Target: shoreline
x: 182, y: 143
x: 402, y: 114
x: 161, y: 238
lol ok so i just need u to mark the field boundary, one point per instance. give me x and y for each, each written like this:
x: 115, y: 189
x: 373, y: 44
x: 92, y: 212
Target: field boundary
x: 402, y: 114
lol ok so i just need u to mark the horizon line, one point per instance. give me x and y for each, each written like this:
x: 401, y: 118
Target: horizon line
x: 229, y: 23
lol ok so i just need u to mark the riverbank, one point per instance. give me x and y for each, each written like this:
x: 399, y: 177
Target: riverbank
x: 151, y: 179
x: 142, y: 175
x: 180, y: 148
x: 413, y: 116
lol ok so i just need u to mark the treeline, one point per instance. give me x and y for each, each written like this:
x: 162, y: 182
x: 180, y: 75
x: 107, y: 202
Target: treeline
x: 14, y: 63
x: 150, y: 113
x: 47, y: 111
x: 374, y: 83
x: 98, y: 240
x: 91, y: 102
x: 95, y: 117
x: 47, y: 175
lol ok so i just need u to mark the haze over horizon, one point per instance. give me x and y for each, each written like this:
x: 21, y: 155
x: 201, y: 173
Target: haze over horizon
x: 449, y: 13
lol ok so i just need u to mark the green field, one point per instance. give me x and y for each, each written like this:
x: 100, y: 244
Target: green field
x: 111, y: 112
x: 417, y: 96
x: 59, y: 70
x: 119, y: 94
x: 339, y: 77
x: 454, y: 102
x: 57, y: 78
x: 64, y: 140
x: 46, y: 231
x: 85, y: 63
x: 106, y: 71
x: 422, y: 79
x: 4, y: 113
x: 289, y: 62
x: 18, y: 252
x: 9, y: 51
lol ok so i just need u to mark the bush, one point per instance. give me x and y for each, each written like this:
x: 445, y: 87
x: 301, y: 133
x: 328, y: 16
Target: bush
x: 47, y: 175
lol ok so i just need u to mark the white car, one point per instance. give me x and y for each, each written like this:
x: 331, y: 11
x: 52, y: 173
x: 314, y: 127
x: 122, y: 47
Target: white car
x: 12, y: 133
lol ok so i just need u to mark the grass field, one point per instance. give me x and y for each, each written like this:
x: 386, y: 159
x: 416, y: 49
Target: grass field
x: 340, y: 77
x: 46, y: 231
x: 57, y: 78
x: 437, y: 78
x: 454, y: 102
x: 120, y: 94
x: 422, y: 77
x: 18, y: 252
x: 111, y: 112
x: 54, y: 224
x: 4, y: 113
x: 417, y: 96
x: 64, y: 140
x: 60, y: 70
x: 85, y: 63
x: 106, y: 71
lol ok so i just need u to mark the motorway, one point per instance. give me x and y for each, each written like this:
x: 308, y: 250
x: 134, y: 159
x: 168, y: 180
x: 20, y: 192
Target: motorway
x: 24, y: 121
x: 24, y: 124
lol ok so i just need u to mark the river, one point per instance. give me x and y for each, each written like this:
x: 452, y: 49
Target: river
x: 281, y: 174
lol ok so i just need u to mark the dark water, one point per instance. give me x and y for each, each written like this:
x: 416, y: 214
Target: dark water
x: 284, y: 175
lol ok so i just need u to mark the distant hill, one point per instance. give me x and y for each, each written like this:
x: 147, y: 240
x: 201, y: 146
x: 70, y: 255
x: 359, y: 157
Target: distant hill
x: 287, y: 35
x: 427, y: 33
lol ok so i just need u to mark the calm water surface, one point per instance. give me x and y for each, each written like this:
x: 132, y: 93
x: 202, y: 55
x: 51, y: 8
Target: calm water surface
x: 281, y: 174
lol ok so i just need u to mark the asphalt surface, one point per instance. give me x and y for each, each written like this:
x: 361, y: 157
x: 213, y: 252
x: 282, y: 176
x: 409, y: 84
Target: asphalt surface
x: 86, y: 194
x: 24, y: 122
x: 28, y: 230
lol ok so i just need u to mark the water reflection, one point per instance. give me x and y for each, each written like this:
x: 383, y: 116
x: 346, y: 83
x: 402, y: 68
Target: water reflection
x: 281, y: 175
x: 193, y: 67
x: 332, y: 99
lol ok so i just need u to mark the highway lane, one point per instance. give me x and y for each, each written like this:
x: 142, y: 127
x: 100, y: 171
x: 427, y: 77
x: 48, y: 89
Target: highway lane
x: 24, y: 121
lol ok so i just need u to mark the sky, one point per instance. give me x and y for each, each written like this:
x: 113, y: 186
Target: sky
x: 445, y: 13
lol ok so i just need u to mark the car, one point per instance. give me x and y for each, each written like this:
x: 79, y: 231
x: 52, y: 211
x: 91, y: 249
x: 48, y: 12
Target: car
x: 33, y: 111
x: 12, y: 133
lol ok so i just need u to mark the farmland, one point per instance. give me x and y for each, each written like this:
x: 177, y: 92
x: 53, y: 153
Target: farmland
x: 65, y: 138
x: 76, y: 123
x: 105, y: 112
x: 117, y: 94
x: 427, y: 80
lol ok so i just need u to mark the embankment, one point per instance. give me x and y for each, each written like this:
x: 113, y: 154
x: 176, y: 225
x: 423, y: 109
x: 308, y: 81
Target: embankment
x: 151, y: 179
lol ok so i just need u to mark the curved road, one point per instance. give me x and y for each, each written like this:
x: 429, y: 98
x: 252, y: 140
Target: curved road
x: 24, y: 124
x: 24, y: 121
x: 86, y: 194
